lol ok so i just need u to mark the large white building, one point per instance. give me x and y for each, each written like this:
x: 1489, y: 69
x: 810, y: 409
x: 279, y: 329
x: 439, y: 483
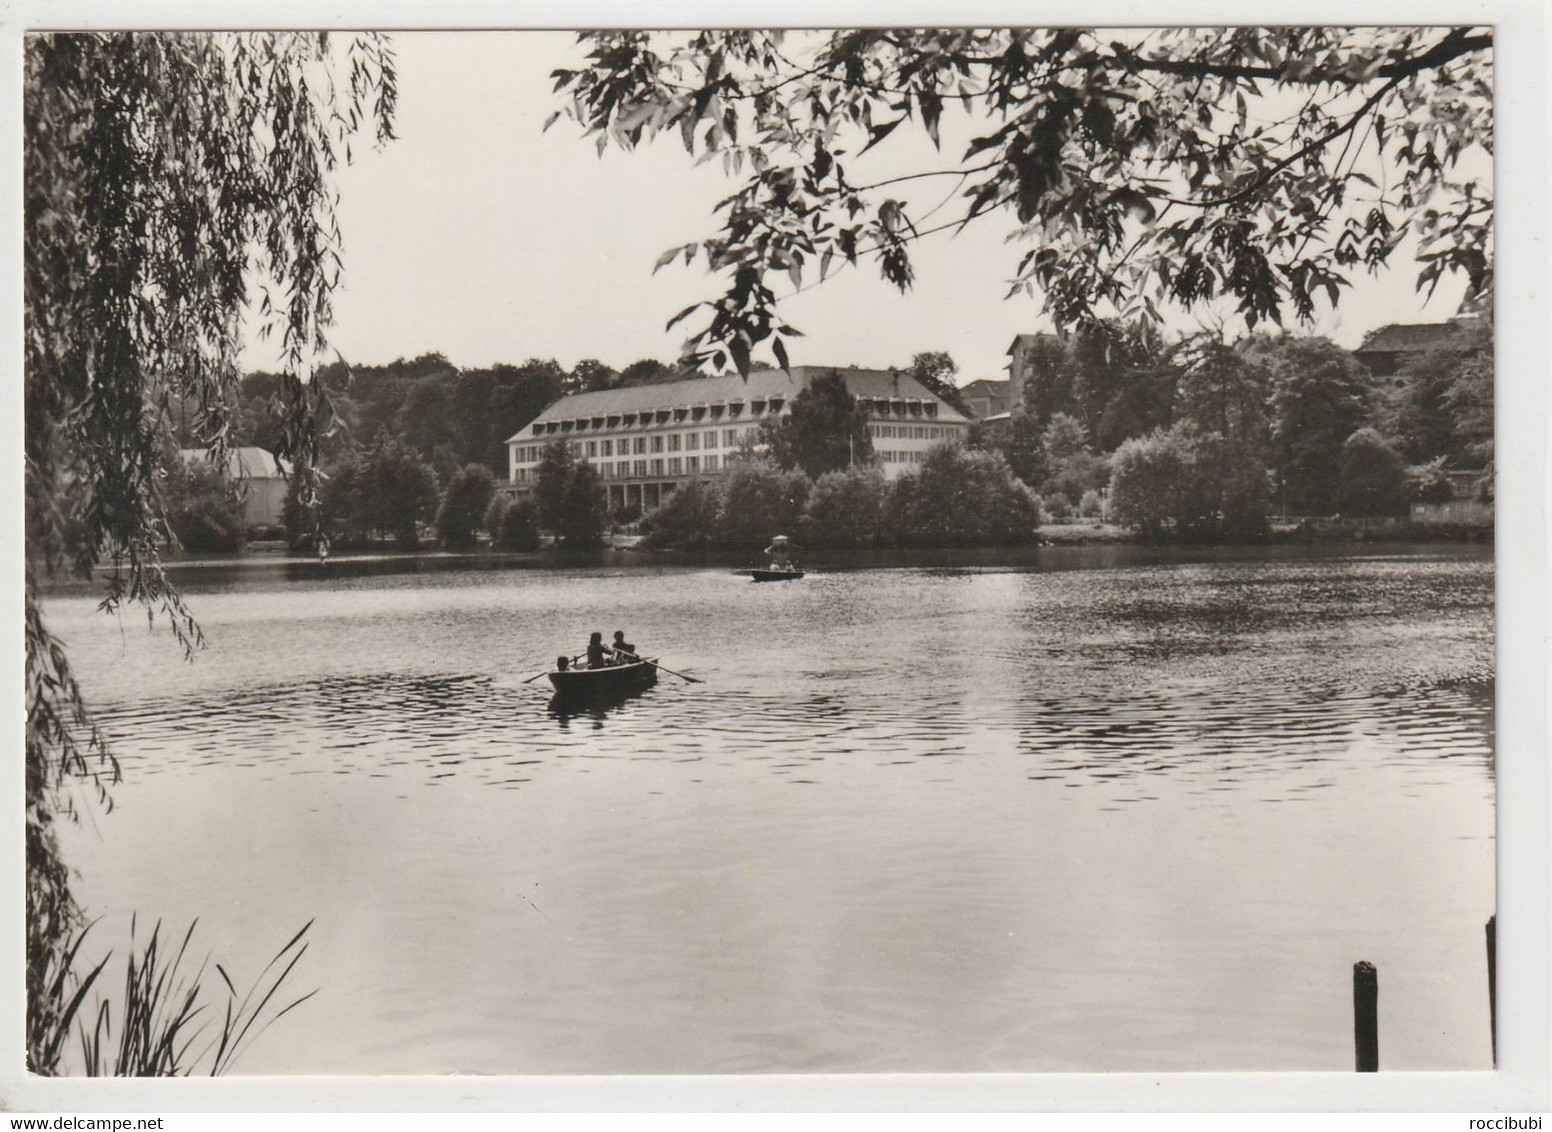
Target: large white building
x: 645, y: 440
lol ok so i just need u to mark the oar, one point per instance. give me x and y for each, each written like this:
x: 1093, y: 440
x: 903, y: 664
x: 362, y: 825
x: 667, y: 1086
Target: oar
x: 670, y: 671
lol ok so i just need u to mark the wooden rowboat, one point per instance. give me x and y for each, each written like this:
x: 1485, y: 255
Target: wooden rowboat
x: 603, y: 683
x: 775, y: 575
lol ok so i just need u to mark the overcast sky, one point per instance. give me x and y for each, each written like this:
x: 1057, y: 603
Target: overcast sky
x: 479, y: 236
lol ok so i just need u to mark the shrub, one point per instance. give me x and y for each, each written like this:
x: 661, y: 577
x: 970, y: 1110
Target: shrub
x: 1091, y: 506
x: 519, y: 530
x: 1429, y: 483
x: 385, y: 491
x: 687, y: 518
x: 845, y: 509
x: 1148, y: 480
x: 204, y: 509
x: 1058, y: 507
x: 1228, y: 491
x: 758, y: 501
x: 961, y: 497
x: 553, y: 475
x: 494, y: 513
x: 582, y: 518
x: 1373, y: 476
x: 464, y: 506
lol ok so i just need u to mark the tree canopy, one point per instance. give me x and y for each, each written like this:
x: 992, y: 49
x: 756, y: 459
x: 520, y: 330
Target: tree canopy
x: 1133, y: 168
x: 167, y: 177
x: 826, y: 431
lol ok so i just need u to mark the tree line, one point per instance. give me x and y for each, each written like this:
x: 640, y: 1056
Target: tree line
x: 1195, y: 439
x: 399, y: 438
x: 1201, y: 439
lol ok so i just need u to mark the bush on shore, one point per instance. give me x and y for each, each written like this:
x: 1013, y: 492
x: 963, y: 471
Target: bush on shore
x: 204, y: 509
x: 961, y: 497
x: 464, y: 505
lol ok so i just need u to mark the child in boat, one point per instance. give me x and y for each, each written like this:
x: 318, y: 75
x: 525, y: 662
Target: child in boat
x: 597, y: 654
x: 780, y: 553
x: 624, y: 651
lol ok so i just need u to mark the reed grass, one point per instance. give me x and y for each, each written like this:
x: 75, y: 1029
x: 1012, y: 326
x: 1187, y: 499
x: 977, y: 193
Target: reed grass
x: 162, y: 1022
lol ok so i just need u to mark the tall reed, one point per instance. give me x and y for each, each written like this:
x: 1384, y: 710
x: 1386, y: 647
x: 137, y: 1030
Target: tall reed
x: 161, y: 1024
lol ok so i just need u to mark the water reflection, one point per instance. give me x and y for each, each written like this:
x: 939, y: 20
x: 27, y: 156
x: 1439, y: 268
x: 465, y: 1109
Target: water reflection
x: 914, y: 819
x: 594, y: 706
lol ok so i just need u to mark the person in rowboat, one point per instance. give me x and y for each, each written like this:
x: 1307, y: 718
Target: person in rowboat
x: 597, y: 654
x: 624, y: 651
x: 780, y: 553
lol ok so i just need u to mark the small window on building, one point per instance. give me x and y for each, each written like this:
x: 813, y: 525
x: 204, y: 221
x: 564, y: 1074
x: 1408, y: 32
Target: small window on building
x: 641, y: 467
x: 592, y: 448
x: 711, y: 463
x: 673, y: 442
x: 675, y: 467
x: 608, y: 448
x: 657, y: 466
x: 640, y: 445
x: 730, y: 438
x: 692, y: 441
x: 692, y: 463
x: 657, y: 443
x: 711, y: 439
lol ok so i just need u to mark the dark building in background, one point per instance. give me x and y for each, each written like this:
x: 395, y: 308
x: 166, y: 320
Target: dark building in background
x: 1386, y: 351
x: 986, y: 398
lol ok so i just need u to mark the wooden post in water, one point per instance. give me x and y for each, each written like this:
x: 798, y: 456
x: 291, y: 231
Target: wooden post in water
x: 1492, y: 981
x: 1366, y: 1028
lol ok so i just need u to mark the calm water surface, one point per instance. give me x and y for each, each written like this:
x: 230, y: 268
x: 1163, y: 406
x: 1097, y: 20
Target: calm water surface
x: 1092, y: 811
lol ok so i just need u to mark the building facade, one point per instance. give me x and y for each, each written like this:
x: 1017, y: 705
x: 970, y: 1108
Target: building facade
x: 646, y: 440
x: 259, y: 478
x: 1388, y: 350
x: 986, y: 398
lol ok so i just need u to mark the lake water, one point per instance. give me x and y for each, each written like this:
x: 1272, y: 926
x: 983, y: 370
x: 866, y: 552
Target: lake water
x: 1091, y: 809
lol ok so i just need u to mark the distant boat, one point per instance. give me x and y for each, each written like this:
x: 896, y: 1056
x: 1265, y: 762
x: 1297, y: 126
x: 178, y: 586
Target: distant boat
x: 776, y: 574
x: 604, y: 683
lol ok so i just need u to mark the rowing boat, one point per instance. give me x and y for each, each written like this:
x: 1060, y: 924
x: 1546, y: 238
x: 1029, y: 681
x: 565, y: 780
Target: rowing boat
x: 610, y: 680
x: 776, y: 575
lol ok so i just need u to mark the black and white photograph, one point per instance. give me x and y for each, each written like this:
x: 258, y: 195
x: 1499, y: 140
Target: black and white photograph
x: 727, y: 552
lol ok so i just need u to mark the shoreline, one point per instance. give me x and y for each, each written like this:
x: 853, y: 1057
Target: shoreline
x: 1073, y: 549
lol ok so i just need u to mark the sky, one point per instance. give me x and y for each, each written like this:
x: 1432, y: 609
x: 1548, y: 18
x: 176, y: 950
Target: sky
x: 480, y: 236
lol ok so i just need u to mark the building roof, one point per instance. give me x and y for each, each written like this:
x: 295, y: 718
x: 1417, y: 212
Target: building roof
x: 761, y: 385
x: 246, y: 463
x: 1408, y: 337
x: 1027, y: 339
x: 988, y: 384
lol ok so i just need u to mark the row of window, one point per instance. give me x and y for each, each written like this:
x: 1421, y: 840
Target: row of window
x: 641, y: 445
x: 640, y: 469
x: 877, y: 408
x: 708, y: 440
x: 657, y: 417
x: 900, y: 457
x: 911, y: 432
